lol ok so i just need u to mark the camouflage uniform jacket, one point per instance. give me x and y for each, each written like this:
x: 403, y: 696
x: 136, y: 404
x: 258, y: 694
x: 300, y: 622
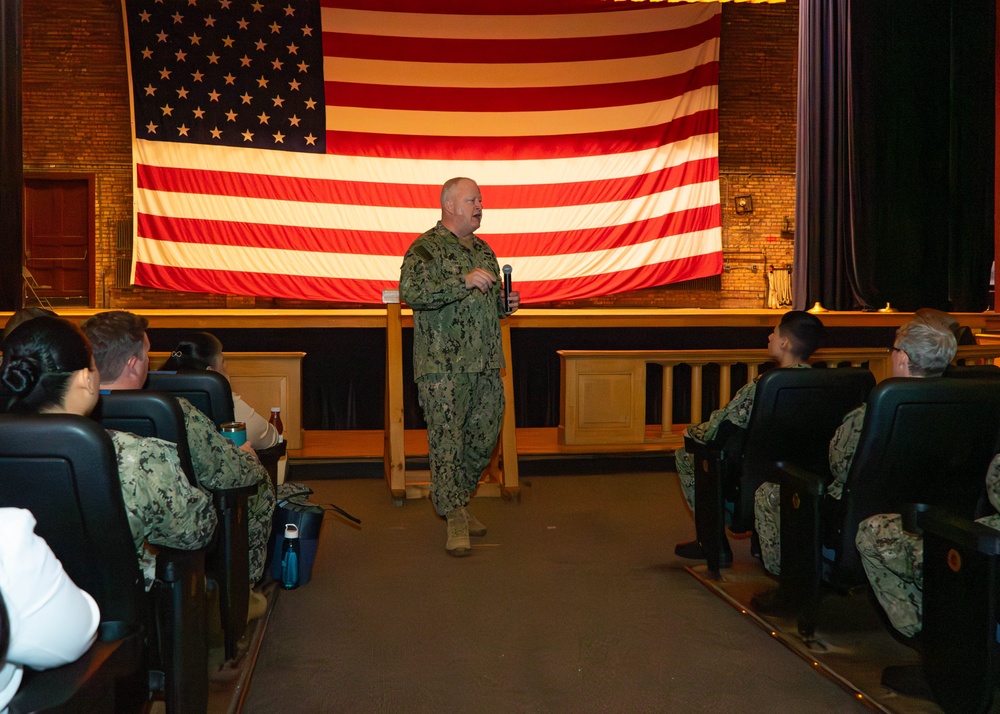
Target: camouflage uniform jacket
x: 455, y: 329
x: 163, y: 507
x: 218, y: 463
x: 842, y: 447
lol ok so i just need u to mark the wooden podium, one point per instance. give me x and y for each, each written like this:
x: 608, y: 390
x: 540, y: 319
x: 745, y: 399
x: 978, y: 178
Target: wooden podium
x: 499, y: 479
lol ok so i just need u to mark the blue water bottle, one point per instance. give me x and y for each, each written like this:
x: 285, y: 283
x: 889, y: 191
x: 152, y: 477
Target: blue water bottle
x: 290, y: 558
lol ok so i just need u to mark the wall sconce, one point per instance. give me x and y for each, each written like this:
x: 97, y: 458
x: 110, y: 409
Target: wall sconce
x: 787, y: 233
x: 744, y: 204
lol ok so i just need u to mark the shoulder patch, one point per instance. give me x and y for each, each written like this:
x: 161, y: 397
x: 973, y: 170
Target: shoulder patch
x: 421, y: 252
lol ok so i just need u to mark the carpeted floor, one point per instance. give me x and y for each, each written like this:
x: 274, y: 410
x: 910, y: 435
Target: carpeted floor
x: 851, y: 644
x: 574, y: 602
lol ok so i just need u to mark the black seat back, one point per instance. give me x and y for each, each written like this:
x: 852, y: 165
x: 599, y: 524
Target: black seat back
x: 147, y: 413
x: 63, y: 469
x: 795, y: 413
x: 973, y: 371
x: 207, y: 390
x: 924, y: 441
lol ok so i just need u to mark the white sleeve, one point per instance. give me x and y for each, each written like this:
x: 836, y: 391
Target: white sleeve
x: 52, y: 621
x: 260, y: 433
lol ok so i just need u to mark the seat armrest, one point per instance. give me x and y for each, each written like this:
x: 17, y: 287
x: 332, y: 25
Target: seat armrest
x: 269, y: 459
x: 910, y: 513
x: 959, y: 530
x: 182, y: 629
x: 232, y: 491
x: 800, y: 479
x: 87, y: 684
x: 694, y: 447
x: 801, y: 554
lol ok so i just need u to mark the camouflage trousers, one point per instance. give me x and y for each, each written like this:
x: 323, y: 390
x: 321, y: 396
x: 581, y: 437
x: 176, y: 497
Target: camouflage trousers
x: 463, y: 413
x: 684, y: 465
x: 894, y: 563
x: 767, y: 523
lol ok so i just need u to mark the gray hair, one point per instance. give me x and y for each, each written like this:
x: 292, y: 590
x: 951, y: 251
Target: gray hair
x: 929, y: 349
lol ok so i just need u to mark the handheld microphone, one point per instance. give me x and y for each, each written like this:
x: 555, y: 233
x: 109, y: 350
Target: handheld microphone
x: 506, y: 288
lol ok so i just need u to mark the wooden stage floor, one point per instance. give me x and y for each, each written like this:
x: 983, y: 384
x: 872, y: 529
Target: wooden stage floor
x: 531, y: 442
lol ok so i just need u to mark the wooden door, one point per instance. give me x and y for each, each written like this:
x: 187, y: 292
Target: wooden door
x: 59, y: 236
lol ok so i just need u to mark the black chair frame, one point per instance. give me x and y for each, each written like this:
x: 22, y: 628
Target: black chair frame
x: 795, y: 413
x: 64, y: 470
x: 156, y: 413
x: 924, y: 441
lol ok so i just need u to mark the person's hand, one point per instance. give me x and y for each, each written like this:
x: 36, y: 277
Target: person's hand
x: 480, y: 279
x: 513, y: 301
x: 245, y: 446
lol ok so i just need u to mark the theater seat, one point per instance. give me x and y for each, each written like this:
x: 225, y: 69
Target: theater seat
x: 155, y: 413
x: 207, y: 390
x: 795, y: 413
x: 924, y: 441
x: 961, y: 607
x: 63, y: 469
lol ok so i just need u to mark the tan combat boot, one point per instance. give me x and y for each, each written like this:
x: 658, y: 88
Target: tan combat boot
x: 458, y: 533
x: 475, y: 527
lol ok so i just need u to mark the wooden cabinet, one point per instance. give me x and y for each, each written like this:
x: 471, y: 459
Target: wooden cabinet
x: 265, y: 380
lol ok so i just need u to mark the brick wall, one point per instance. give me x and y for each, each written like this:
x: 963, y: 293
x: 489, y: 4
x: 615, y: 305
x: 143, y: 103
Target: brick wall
x: 76, y: 119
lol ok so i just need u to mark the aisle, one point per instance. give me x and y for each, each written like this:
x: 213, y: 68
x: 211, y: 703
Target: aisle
x: 573, y: 602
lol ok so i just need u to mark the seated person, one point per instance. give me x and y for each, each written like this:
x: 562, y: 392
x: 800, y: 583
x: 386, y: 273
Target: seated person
x: 919, y: 350
x: 943, y: 321
x: 49, y: 620
x: 23, y: 315
x: 791, y: 343
x: 48, y: 368
x: 894, y: 559
x: 121, y: 349
x: 202, y: 350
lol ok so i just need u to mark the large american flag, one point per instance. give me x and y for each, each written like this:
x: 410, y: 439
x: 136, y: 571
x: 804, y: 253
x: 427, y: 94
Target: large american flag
x: 294, y: 149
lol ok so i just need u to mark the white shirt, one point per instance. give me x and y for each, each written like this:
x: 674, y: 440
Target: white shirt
x: 260, y: 433
x: 52, y: 621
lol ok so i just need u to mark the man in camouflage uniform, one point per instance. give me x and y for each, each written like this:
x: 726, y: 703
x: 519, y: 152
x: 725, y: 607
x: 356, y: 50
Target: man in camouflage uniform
x: 919, y: 350
x: 121, y: 350
x: 790, y: 344
x: 451, y: 279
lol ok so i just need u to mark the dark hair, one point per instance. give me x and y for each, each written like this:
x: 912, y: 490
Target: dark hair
x: 116, y: 337
x: 23, y: 315
x: 197, y: 351
x: 40, y: 356
x: 803, y: 329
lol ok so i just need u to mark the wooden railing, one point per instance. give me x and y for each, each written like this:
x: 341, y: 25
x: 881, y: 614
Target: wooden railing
x: 603, y: 392
x: 499, y: 479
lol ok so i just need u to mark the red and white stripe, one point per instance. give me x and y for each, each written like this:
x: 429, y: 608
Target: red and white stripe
x: 592, y: 135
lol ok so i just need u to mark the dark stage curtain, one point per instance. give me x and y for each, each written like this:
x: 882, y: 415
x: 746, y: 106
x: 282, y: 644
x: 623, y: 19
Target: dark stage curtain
x: 11, y: 156
x: 895, y: 158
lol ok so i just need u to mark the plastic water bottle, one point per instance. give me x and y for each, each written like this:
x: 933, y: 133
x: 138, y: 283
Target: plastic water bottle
x: 290, y: 558
x: 276, y: 420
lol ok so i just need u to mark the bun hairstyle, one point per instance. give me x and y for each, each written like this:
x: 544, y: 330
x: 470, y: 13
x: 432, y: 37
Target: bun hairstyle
x: 198, y: 351
x: 40, y: 356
